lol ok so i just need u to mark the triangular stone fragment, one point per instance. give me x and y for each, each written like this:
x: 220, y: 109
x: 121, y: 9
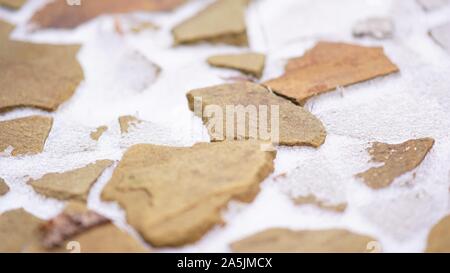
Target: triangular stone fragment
x: 173, y: 196
x: 317, y: 241
x: 97, y: 133
x: 59, y: 14
x: 398, y: 159
x: 221, y: 22
x: 36, y: 75
x: 3, y: 187
x: 25, y: 135
x: 248, y: 63
x: 17, y: 229
x: 80, y: 231
x: 12, y: 4
x: 296, y: 126
x: 71, y: 185
x: 328, y: 66
x: 439, y: 237
x: 441, y: 35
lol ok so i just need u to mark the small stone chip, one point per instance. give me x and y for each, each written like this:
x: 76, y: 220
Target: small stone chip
x: 328, y: 66
x: 78, y: 229
x: 313, y: 200
x: 280, y: 240
x: 71, y: 185
x: 3, y: 187
x: 296, y: 125
x: 430, y: 5
x: 17, y: 229
x: 126, y: 122
x: 441, y: 35
x: 248, y: 63
x: 49, y: 74
x: 439, y: 237
x: 95, y: 135
x: 221, y: 22
x: 375, y: 27
x: 173, y: 196
x: 12, y: 4
x: 398, y: 159
x: 58, y: 14
x: 25, y: 135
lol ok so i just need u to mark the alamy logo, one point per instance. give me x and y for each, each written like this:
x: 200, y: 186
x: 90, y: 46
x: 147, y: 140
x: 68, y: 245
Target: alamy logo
x: 73, y: 2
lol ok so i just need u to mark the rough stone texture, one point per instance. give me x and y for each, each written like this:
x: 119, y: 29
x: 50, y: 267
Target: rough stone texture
x: 441, y: 35
x: 25, y: 135
x: 439, y: 237
x: 49, y: 74
x: 173, y: 196
x: 330, y: 65
x: 3, y: 187
x: 221, y: 22
x: 71, y: 185
x: 296, y: 125
x: 12, y: 4
x: 285, y: 240
x: 97, y: 134
x: 104, y: 237
x: 248, y: 63
x: 58, y: 14
x: 375, y: 27
x: 397, y: 158
x: 17, y: 228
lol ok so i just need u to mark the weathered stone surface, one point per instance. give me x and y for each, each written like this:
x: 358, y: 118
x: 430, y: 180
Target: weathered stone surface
x: 375, y: 27
x: 25, y: 135
x: 285, y: 240
x: 95, y: 135
x: 441, y: 35
x: 49, y: 74
x: 12, y: 4
x: 248, y: 63
x: 71, y: 185
x: 173, y: 196
x: 126, y: 121
x: 397, y: 158
x: 79, y: 227
x: 17, y: 229
x: 330, y: 65
x: 439, y: 237
x: 221, y: 22
x: 4, y: 189
x: 296, y: 125
x: 58, y: 14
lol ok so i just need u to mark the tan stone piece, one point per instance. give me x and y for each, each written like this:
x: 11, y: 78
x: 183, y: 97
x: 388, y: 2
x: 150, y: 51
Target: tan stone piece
x: 4, y: 189
x: 439, y: 237
x: 97, y: 133
x: 248, y: 63
x: 313, y: 200
x: 126, y: 121
x: 12, y: 4
x: 173, y: 196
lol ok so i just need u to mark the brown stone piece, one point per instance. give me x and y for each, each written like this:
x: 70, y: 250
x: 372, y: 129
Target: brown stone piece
x: 248, y: 63
x: 439, y: 237
x: 4, y: 189
x: 97, y: 133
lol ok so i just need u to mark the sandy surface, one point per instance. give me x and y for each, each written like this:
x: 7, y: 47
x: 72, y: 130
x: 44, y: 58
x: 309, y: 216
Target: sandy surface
x: 414, y: 103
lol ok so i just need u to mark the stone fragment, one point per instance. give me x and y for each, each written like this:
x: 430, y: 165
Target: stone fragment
x: 80, y: 230
x: 36, y: 75
x: 95, y: 135
x: 375, y: 27
x: 248, y: 63
x: 441, y: 35
x: 126, y: 122
x: 17, y: 229
x: 71, y: 185
x: 316, y: 241
x: 221, y: 22
x: 173, y: 196
x: 430, y: 5
x: 57, y: 14
x: 296, y: 125
x: 12, y: 4
x: 25, y: 135
x: 398, y: 159
x: 439, y: 237
x: 311, y: 199
x: 328, y: 66
x: 4, y: 189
